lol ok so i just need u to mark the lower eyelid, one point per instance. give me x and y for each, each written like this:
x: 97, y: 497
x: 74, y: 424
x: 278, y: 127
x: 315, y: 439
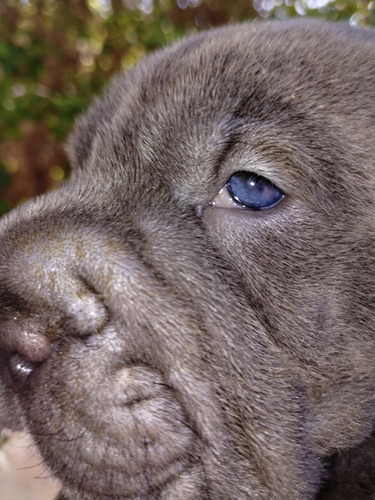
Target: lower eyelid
x: 225, y: 200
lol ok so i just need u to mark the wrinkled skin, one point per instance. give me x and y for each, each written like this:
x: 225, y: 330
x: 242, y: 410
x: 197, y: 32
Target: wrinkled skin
x: 161, y: 343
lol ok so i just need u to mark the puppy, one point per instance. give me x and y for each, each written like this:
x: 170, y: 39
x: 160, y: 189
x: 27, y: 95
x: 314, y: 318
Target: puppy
x: 191, y: 316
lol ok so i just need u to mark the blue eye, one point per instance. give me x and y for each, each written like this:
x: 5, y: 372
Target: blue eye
x: 253, y: 191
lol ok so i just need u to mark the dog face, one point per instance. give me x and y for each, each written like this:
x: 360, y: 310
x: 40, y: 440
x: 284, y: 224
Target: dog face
x: 192, y: 314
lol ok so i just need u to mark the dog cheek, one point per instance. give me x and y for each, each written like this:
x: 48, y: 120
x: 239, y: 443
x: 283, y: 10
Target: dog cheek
x: 300, y: 288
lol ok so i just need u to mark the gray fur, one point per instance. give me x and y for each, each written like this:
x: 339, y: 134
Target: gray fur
x: 159, y: 347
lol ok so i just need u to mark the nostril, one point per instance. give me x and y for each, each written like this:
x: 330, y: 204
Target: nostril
x: 19, y: 369
x: 20, y: 366
x: 24, y: 345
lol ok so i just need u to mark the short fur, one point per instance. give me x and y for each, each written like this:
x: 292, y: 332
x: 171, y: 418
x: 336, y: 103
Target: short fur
x: 159, y: 347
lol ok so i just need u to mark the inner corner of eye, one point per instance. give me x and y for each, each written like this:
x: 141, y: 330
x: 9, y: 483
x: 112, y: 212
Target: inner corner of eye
x: 225, y: 199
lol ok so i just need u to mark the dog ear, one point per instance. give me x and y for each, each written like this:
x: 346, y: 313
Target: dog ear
x: 98, y: 118
x: 80, y: 140
x: 86, y: 127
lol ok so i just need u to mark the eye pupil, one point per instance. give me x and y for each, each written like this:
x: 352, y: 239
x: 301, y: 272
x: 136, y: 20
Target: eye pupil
x: 254, y: 191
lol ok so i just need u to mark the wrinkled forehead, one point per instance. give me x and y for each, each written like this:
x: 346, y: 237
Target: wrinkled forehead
x: 260, y: 97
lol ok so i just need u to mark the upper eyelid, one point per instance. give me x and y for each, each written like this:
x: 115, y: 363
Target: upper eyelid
x: 258, y: 163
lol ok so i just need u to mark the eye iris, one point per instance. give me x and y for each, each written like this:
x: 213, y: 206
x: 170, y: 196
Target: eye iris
x: 254, y: 191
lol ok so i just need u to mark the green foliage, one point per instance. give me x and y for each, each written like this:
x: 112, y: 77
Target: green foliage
x: 56, y: 55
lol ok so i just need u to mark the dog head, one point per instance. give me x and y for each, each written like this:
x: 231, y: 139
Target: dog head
x: 191, y: 315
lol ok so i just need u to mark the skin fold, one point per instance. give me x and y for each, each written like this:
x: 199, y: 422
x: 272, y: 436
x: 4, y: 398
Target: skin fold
x: 162, y: 341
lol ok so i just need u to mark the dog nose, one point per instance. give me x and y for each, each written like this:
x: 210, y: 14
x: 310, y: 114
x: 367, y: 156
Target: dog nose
x: 44, y: 295
x: 28, y: 338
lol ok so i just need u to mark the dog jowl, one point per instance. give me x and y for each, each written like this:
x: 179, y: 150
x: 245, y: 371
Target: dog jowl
x: 191, y: 315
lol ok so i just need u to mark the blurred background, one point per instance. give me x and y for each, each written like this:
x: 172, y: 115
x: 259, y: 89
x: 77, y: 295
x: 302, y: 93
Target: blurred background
x: 55, y: 56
